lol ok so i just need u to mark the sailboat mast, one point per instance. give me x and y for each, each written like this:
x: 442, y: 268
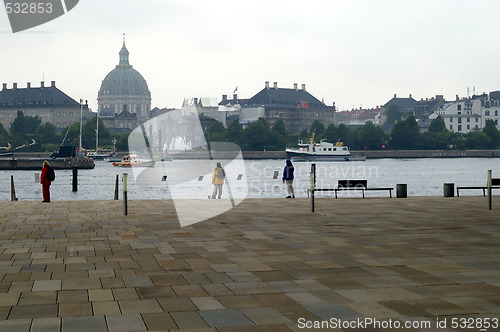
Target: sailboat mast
x: 97, y: 133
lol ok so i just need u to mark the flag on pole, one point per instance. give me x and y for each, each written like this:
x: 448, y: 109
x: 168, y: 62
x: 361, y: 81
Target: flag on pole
x: 236, y: 89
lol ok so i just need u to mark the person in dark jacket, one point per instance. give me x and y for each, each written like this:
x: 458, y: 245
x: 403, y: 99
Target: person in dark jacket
x: 288, y: 178
x: 45, y: 182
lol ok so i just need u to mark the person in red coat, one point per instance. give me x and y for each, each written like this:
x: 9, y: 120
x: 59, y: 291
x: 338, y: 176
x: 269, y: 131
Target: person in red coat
x: 45, y: 182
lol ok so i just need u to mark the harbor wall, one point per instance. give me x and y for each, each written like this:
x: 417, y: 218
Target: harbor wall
x: 36, y: 163
x: 370, y: 154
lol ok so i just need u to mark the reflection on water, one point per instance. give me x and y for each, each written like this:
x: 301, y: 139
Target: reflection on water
x: 424, y: 177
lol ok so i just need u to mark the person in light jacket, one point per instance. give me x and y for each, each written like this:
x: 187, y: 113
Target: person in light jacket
x: 288, y: 178
x: 218, y: 181
x: 45, y: 182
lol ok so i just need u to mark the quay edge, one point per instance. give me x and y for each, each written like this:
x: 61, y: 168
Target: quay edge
x: 36, y: 163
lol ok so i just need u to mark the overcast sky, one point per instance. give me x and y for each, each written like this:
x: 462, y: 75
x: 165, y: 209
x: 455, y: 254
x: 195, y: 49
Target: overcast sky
x: 353, y: 52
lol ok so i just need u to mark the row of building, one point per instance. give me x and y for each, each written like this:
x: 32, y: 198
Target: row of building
x: 125, y: 102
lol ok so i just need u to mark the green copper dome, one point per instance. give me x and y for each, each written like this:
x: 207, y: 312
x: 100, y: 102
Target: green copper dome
x: 124, y: 80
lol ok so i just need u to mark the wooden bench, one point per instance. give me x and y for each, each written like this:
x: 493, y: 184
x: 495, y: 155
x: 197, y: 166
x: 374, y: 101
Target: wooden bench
x: 353, y: 185
x: 494, y: 182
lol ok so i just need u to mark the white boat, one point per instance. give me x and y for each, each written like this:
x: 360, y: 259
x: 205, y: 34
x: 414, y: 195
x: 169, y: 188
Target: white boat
x: 322, y: 151
x: 133, y: 160
x: 101, y: 154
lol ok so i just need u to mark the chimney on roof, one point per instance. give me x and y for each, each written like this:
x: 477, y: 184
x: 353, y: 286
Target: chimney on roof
x: 267, y: 84
x: 295, y: 86
x: 235, y: 98
x: 303, y: 87
x: 28, y: 85
x: 457, y: 99
x: 4, y: 86
x: 275, y: 85
x: 224, y: 99
x: 395, y: 96
x: 410, y: 95
x: 42, y: 84
x: 52, y: 84
x: 14, y: 86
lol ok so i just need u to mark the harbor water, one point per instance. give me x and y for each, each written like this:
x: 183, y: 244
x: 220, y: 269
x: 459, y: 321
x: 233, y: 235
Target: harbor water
x: 256, y: 179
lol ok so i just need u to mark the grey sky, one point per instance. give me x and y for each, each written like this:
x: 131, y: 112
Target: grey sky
x: 354, y: 53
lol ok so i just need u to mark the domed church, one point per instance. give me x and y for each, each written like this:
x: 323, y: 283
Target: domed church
x: 124, y: 90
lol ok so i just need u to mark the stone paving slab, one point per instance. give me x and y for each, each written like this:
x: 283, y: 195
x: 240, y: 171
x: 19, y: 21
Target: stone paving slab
x: 262, y: 266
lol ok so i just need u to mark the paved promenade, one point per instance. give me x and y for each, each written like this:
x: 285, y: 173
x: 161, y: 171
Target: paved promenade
x: 267, y: 265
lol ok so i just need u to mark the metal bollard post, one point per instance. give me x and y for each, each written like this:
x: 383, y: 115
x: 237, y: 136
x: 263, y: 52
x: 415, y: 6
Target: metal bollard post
x: 489, y: 189
x: 116, y: 187
x: 125, y: 207
x: 75, y: 179
x: 312, y: 185
x: 12, y: 189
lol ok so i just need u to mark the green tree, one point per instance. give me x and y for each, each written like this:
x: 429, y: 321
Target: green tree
x: 399, y: 136
x: 317, y: 127
x: 256, y: 135
x: 413, y: 131
x: 392, y: 114
x: 235, y: 132
x: 4, y: 136
x: 217, y: 132
x: 437, y: 125
x: 368, y: 136
x: 279, y: 136
x: 46, y: 134
x: 490, y: 129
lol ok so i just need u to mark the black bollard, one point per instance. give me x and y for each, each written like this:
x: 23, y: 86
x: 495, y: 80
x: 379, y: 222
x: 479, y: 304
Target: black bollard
x: 125, y: 204
x: 75, y: 179
x: 312, y: 184
x: 449, y: 190
x: 401, y: 190
x: 116, y: 187
x: 12, y: 189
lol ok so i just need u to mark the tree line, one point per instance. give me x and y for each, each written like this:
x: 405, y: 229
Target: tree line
x: 405, y: 135
x: 24, y: 129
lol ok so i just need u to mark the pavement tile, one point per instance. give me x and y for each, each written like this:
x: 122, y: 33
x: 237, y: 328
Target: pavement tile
x: 138, y: 282
x: 207, y: 303
x: 139, y: 306
x: 188, y: 320
x: 73, y: 296
x: 46, y: 324
x: 84, y: 324
x: 33, y: 311
x: 327, y: 311
x: 37, y: 298
x: 159, y: 321
x: 15, y: 325
x: 106, y: 308
x: 125, y: 323
x: 75, y: 309
x: 96, y: 295
x: 177, y: 304
x: 155, y: 292
x: 46, y: 285
x: 265, y: 316
x: 189, y: 291
x: 125, y: 294
x: 225, y: 317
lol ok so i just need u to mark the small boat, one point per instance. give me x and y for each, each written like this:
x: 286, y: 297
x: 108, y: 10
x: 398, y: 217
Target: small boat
x: 133, y: 160
x: 322, y: 151
x: 101, y: 154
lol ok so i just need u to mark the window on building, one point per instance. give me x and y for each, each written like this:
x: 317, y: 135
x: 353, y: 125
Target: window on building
x: 459, y: 108
x: 487, y: 113
x: 496, y: 113
x: 459, y: 120
x: 451, y: 127
x: 468, y: 126
x: 496, y: 122
x: 459, y: 127
x: 468, y: 119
